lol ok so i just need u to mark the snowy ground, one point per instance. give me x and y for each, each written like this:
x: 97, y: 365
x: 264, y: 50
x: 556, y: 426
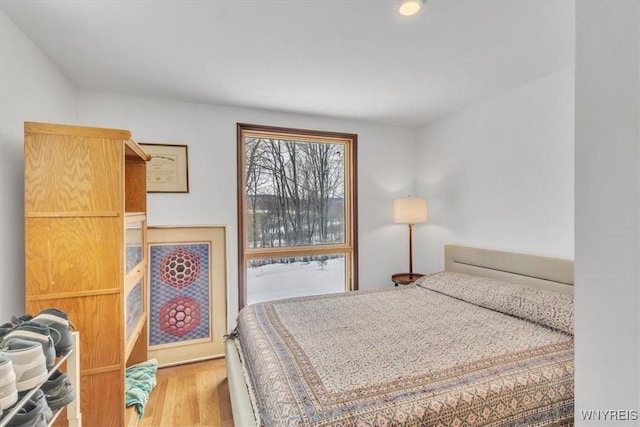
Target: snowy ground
x: 277, y: 281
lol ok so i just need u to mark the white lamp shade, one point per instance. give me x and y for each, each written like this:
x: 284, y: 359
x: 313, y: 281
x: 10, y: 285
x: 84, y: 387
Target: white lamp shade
x: 409, y: 7
x: 410, y: 210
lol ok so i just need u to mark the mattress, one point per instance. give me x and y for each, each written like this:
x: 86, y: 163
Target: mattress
x: 450, y: 350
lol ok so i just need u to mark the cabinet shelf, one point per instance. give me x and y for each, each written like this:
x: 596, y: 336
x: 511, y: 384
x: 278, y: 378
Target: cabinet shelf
x: 134, y: 216
x: 85, y: 250
x: 135, y: 335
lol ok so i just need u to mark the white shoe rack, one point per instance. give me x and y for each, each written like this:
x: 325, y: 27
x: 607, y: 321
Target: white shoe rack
x: 74, y: 417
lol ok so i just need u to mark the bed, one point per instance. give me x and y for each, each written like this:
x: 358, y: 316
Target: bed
x: 486, y: 342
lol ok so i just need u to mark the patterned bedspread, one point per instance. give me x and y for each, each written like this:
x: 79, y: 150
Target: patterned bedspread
x: 408, y: 356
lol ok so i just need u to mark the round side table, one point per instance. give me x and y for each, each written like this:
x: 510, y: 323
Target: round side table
x: 405, y: 278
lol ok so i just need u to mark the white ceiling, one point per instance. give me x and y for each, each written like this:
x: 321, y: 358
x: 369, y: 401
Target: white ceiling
x: 349, y: 58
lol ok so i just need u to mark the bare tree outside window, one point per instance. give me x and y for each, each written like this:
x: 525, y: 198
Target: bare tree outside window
x: 295, y: 193
x: 297, y: 203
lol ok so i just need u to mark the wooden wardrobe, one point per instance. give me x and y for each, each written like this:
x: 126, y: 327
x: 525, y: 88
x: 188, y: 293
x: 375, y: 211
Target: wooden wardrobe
x: 85, y: 251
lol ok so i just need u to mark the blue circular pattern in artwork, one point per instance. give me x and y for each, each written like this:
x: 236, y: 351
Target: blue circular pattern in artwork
x: 179, y: 283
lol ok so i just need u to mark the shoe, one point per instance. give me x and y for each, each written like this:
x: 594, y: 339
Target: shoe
x: 59, y: 324
x: 34, y: 413
x: 5, y: 328
x: 29, y: 363
x: 39, y: 398
x: 58, y: 390
x: 8, y: 391
x: 17, y: 320
x: 59, y: 321
x: 34, y: 331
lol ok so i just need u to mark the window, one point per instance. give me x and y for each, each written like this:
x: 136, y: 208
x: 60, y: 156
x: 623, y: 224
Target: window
x: 296, y: 213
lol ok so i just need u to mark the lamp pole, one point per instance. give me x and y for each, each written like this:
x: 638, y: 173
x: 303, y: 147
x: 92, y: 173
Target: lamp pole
x: 410, y: 248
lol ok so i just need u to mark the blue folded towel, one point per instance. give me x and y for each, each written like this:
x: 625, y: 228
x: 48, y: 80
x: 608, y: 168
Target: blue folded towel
x: 140, y: 379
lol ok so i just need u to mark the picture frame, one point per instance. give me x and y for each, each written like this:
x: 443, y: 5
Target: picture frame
x: 168, y: 169
x: 187, y: 298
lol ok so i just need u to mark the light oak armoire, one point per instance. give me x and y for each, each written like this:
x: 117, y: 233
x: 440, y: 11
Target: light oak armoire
x: 85, y: 251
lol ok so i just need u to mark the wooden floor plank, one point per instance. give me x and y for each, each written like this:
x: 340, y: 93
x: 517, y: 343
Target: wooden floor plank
x: 169, y: 404
x: 208, y: 398
x: 224, y: 398
x: 181, y: 394
x: 156, y: 410
x: 190, y: 395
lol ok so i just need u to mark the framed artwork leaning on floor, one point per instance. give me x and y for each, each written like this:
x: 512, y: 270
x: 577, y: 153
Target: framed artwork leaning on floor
x: 187, y: 293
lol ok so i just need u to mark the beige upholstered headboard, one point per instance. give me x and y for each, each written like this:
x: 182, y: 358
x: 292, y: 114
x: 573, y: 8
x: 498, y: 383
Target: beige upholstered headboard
x: 531, y: 270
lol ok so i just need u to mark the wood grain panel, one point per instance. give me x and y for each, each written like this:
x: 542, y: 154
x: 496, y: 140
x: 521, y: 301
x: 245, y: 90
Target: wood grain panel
x: 139, y: 352
x: 85, y: 131
x: 67, y: 173
x: 136, y: 186
x: 99, y: 319
x: 102, y: 399
x: 73, y: 254
x: 134, y: 150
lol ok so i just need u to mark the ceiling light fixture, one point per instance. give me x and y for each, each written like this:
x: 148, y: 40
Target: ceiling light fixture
x: 409, y: 7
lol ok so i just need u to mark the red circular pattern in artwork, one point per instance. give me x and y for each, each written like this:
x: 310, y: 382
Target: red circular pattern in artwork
x: 180, y: 316
x: 180, y: 268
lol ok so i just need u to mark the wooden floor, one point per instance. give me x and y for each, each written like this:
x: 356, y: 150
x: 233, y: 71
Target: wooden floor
x: 195, y: 394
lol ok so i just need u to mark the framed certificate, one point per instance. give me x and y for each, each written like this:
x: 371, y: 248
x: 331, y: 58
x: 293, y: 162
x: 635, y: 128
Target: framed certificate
x: 168, y: 171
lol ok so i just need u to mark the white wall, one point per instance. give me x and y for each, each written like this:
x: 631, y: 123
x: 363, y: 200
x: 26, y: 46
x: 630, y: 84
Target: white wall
x: 499, y: 174
x: 607, y: 215
x: 210, y: 133
x: 33, y: 89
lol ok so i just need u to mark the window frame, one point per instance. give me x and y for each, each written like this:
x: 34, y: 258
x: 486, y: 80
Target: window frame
x: 350, y: 246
